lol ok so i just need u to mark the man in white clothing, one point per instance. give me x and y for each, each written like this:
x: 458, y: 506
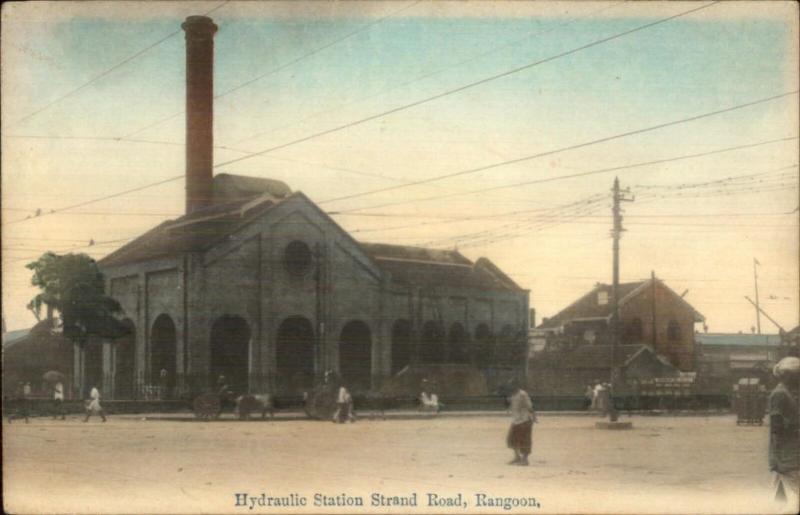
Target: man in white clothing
x: 58, y: 401
x: 93, y: 405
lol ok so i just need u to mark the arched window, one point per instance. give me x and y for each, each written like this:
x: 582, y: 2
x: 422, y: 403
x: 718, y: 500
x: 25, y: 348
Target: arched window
x: 294, y: 356
x: 432, y: 350
x: 402, y: 347
x: 483, y: 355
x: 163, y: 351
x: 230, y: 352
x: 125, y: 355
x: 633, y: 331
x: 355, y: 356
x: 673, y: 331
x: 457, y: 344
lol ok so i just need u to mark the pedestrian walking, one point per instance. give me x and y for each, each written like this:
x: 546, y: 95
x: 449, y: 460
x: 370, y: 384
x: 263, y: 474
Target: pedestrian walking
x: 520, y: 434
x: 784, y: 431
x: 344, y: 407
x: 93, y: 405
x: 58, y: 401
x: 428, y: 400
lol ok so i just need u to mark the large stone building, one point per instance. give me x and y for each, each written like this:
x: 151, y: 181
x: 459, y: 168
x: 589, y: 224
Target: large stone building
x: 258, y: 284
x: 270, y: 292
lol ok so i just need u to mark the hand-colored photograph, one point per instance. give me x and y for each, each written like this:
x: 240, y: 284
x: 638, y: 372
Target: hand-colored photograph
x: 401, y: 256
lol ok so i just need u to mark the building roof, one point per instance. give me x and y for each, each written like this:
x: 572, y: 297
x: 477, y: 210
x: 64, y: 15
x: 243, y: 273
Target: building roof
x: 737, y: 339
x: 42, y: 329
x: 194, y: 232
x: 202, y: 229
x: 231, y: 188
x: 429, y: 268
x: 588, y: 307
x: 13, y: 337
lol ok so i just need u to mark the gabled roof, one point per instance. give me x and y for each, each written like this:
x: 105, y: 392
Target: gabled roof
x: 12, y: 337
x: 588, y: 307
x: 195, y: 232
x: 426, y: 268
x: 43, y: 330
x: 203, y: 229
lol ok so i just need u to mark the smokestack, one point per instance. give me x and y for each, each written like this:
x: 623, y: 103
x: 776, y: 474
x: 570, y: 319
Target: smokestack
x: 200, y: 32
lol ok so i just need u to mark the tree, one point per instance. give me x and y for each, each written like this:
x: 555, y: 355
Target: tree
x: 72, y: 285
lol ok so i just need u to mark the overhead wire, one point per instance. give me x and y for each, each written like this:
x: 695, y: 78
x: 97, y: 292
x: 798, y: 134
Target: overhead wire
x: 430, y: 74
x: 282, y: 66
x: 566, y: 148
x: 574, y: 175
x: 108, y: 71
x: 470, y: 85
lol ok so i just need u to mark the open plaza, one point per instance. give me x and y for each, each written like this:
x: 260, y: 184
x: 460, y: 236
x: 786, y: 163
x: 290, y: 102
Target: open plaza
x: 448, y: 463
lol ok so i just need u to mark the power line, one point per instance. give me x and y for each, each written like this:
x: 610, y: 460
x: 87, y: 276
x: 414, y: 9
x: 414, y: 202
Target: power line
x: 284, y: 66
x: 108, y: 71
x: 567, y: 148
x: 471, y: 85
x: 429, y: 74
x: 223, y: 147
x: 86, y: 203
x: 576, y: 175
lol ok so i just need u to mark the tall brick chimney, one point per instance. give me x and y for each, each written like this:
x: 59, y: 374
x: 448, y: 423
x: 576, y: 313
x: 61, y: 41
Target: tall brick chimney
x: 200, y: 32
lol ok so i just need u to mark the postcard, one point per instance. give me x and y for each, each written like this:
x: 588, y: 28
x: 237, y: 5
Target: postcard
x: 403, y: 256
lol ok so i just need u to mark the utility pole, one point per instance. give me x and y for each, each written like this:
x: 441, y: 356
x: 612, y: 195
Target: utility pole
x: 619, y: 196
x: 758, y: 310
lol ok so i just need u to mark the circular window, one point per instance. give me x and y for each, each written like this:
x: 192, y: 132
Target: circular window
x: 297, y: 258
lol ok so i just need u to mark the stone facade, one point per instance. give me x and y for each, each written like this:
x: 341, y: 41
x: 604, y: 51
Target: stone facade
x: 272, y: 293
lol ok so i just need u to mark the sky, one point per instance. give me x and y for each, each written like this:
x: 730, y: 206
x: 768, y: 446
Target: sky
x: 93, y: 94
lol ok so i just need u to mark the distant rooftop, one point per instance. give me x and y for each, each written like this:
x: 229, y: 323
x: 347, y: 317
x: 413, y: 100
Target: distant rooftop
x: 12, y: 337
x: 741, y: 339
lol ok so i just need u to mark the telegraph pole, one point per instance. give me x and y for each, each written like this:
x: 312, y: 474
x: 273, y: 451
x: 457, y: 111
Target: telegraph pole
x: 619, y: 196
x: 758, y: 310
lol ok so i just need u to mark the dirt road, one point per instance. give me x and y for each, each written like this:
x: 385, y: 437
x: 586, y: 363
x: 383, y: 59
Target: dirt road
x: 664, y: 465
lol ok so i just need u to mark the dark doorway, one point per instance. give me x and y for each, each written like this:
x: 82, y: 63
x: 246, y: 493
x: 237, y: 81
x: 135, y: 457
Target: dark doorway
x: 163, y: 348
x: 402, y: 347
x: 355, y: 356
x: 230, y: 353
x: 125, y: 363
x: 457, y: 342
x: 483, y: 349
x: 294, y: 356
x: 432, y: 350
x: 93, y: 365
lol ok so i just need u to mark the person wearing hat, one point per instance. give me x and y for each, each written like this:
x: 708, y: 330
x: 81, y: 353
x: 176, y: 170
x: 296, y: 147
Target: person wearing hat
x: 784, y: 430
x: 520, y: 434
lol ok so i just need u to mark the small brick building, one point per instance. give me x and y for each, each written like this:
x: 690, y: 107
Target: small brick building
x: 650, y: 313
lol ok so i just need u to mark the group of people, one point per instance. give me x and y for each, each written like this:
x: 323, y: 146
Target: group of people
x: 92, y: 405
x: 598, y: 397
